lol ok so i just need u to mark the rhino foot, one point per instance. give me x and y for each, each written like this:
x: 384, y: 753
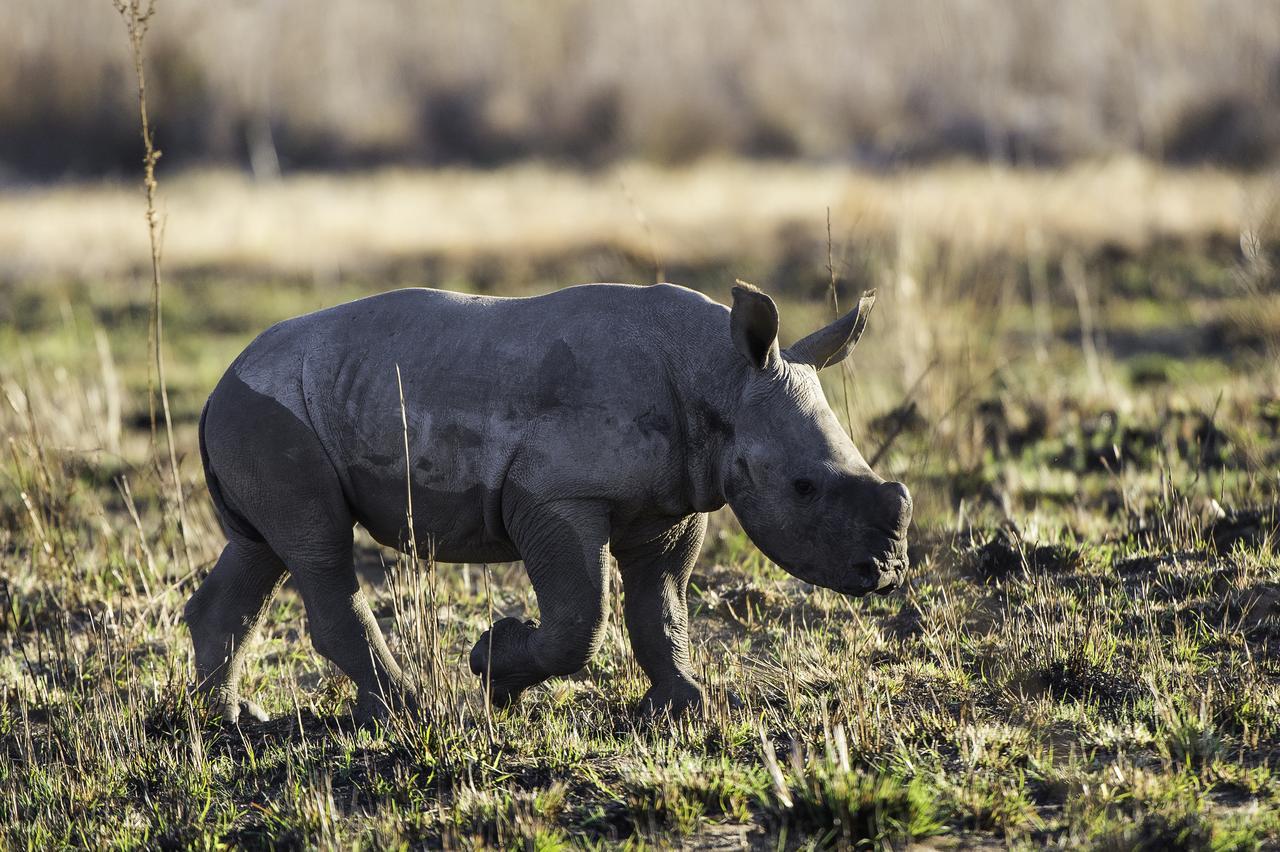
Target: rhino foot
x: 238, y: 711
x: 375, y: 708
x: 501, y: 659
x: 675, y: 699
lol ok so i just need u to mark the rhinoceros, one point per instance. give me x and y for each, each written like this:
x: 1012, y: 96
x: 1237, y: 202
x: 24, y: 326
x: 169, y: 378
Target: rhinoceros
x: 598, y: 420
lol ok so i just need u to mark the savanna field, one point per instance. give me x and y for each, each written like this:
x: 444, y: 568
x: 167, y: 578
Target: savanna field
x: 1076, y: 372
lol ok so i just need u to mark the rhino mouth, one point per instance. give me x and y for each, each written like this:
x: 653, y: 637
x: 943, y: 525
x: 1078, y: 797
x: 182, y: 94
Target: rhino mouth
x: 879, y: 575
x: 863, y: 575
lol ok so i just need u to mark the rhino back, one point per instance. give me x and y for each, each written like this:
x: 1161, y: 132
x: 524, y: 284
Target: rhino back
x: 564, y: 395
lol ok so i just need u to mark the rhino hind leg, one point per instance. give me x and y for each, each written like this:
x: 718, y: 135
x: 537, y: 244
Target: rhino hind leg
x: 223, y: 616
x: 345, y: 631
x: 280, y: 481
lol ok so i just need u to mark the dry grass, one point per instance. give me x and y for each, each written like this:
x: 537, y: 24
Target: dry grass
x: 321, y: 225
x: 1084, y: 656
x: 1085, y: 682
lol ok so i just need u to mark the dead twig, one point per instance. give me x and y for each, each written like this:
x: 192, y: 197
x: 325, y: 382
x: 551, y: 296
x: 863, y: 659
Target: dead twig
x: 137, y: 16
x: 903, y: 413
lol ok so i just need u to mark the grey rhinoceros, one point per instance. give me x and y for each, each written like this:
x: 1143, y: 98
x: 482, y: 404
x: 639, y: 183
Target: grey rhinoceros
x: 600, y: 419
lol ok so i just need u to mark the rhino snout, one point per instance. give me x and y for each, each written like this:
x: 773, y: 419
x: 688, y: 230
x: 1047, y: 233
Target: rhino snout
x: 878, y: 574
x: 881, y: 565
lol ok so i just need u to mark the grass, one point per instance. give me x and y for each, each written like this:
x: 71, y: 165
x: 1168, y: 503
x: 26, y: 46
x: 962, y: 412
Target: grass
x: 531, y: 224
x: 1084, y: 656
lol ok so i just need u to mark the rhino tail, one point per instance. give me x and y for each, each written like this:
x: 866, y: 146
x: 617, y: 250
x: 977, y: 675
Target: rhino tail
x: 233, y: 523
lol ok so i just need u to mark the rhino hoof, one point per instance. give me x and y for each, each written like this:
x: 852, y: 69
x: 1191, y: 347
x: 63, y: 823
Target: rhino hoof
x: 673, y: 700
x: 502, y: 697
x: 241, y: 712
x: 502, y: 644
x: 500, y: 659
x: 372, y: 709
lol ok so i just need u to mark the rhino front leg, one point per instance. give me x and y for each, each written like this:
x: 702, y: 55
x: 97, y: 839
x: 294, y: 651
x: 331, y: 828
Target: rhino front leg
x: 656, y: 560
x: 565, y: 549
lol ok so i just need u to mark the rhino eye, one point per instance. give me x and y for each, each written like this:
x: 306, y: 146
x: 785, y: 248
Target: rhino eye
x: 803, y: 487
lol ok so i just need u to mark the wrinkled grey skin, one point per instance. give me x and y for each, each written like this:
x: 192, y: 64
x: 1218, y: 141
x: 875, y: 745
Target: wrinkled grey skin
x: 559, y: 429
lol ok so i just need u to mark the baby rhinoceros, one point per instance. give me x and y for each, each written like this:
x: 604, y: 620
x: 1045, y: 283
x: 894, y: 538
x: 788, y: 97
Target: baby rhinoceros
x: 600, y: 419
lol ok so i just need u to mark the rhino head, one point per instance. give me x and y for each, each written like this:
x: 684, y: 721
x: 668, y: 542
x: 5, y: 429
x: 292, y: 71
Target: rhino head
x: 800, y: 488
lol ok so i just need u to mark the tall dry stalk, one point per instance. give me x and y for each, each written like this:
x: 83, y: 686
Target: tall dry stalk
x: 1073, y: 272
x: 137, y: 16
x: 835, y: 309
x: 643, y: 221
x: 424, y: 598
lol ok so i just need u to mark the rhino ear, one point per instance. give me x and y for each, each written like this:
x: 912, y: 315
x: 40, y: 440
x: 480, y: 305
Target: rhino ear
x: 753, y: 324
x: 832, y: 344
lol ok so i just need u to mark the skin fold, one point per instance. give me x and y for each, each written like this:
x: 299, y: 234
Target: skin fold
x: 600, y: 420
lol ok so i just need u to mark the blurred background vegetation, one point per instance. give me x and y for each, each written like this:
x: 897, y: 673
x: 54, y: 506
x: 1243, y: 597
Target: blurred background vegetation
x: 1063, y: 201
x: 1069, y: 211
x: 278, y: 85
